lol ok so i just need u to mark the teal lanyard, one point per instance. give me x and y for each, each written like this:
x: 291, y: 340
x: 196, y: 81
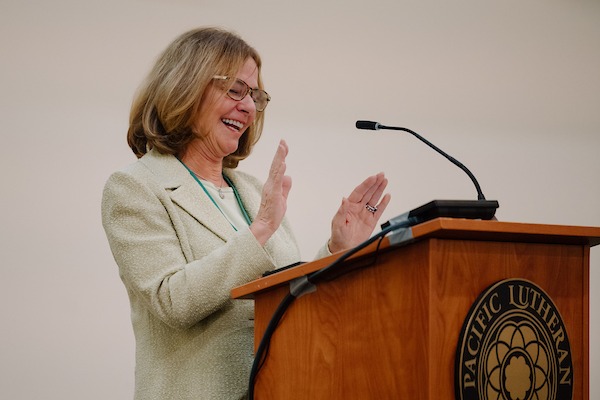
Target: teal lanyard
x: 238, y: 199
x: 235, y: 192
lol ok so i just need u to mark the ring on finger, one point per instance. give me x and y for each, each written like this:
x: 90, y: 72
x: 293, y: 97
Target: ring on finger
x: 370, y: 208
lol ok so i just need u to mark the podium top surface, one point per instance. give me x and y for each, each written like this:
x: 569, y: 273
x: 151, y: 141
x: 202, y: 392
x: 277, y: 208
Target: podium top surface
x: 442, y: 228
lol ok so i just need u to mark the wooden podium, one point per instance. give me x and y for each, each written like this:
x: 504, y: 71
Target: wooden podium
x: 387, y: 323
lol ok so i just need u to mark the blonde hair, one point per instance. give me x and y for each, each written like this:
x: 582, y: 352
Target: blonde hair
x: 167, y: 103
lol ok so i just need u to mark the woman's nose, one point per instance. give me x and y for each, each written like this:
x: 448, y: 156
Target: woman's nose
x: 247, y: 104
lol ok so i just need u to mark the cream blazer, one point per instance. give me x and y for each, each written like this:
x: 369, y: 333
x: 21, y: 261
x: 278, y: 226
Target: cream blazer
x: 179, y: 259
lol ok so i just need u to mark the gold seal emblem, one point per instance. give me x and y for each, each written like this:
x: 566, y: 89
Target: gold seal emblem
x: 513, y: 346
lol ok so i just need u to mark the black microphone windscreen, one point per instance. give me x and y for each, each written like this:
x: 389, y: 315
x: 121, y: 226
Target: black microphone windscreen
x: 370, y: 125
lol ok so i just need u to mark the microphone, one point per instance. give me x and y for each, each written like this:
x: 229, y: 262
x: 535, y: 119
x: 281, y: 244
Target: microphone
x: 369, y: 125
x: 472, y: 209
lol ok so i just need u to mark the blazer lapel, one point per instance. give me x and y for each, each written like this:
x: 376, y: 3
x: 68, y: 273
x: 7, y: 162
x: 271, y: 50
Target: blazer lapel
x: 185, y: 192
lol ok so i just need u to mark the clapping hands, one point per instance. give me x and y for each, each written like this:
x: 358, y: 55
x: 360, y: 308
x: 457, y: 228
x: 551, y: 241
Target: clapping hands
x: 352, y: 224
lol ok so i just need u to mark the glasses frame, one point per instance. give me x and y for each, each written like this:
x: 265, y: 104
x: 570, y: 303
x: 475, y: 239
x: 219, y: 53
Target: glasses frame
x: 247, y: 91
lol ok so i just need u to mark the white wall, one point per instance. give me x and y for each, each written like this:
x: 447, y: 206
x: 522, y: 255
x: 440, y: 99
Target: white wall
x: 511, y: 88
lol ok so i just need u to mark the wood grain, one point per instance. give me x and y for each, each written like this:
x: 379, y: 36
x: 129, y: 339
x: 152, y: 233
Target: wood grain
x: 390, y: 330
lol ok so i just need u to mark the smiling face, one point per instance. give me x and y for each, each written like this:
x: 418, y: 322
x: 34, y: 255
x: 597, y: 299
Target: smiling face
x: 221, y: 121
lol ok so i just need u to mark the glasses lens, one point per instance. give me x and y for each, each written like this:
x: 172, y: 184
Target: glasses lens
x: 238, y: 90
x: 261, y: 99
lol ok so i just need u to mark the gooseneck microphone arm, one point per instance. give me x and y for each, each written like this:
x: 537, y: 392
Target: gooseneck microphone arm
x: 370, y: 125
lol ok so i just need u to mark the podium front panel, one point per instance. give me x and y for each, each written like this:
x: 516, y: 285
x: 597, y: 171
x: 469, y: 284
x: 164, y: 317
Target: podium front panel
x: 388, y: 327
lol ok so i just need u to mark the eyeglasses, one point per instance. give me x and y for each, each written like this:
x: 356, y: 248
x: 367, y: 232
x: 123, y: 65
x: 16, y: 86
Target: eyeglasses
x: 240, y: 89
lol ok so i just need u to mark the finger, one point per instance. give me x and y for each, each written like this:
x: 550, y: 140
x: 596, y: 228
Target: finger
x: 286, y: 186
x: 377, y: 192
x: 278, y: 164
x: 382, y: 205
x: 361, y: 190
x: 280, y: 154
x: 368, y: 188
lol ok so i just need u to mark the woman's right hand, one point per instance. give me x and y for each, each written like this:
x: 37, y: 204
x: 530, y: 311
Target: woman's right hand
x: 275, y: 192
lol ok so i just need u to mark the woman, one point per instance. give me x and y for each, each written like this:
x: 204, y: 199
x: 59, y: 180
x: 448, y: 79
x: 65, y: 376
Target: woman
x: 185, y: 227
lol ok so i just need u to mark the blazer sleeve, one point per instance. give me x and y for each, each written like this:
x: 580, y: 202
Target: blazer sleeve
x: 155, y: 262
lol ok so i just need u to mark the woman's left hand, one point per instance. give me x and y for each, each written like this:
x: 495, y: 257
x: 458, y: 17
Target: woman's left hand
x: 356, y: 218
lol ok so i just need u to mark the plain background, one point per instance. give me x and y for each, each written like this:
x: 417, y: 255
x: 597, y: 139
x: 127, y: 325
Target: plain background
x: 511, y: 88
